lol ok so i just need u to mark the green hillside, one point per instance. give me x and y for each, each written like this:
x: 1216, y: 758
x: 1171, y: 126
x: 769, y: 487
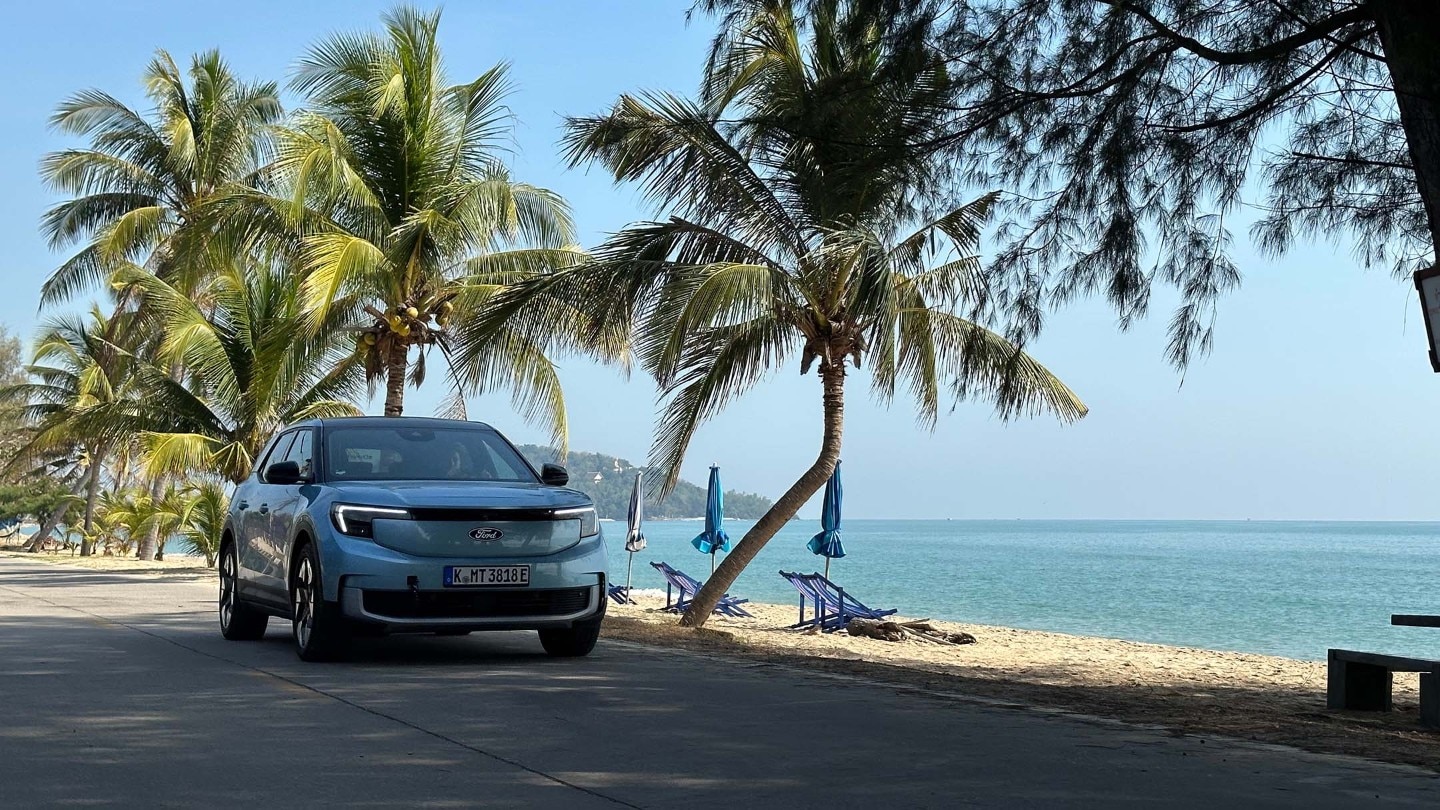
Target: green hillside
x: 611, y: 492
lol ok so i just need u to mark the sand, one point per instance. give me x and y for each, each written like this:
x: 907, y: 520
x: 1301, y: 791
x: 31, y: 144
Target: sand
x: 1256, y: 697
x: 173, y: 564
x: 1190, y: 691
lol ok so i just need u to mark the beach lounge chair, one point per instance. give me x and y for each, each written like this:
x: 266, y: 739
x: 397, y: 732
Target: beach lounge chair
x: 831, y: 607
x: 680, y: 588
x: 620, y: 594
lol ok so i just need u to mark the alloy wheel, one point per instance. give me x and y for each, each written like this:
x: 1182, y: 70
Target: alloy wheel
x: 304, y: 602
x: 227, y: 588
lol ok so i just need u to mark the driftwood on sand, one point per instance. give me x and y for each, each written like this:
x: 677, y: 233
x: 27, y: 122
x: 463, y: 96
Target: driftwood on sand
x: 920, y: 629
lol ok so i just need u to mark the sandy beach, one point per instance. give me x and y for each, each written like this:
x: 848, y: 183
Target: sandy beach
x: 1255, y: 697
x: 173, y: 564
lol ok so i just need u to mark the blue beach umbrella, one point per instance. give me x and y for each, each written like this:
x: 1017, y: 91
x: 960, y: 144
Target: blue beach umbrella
x: 827, y: 543
x: 714, y: 538
x: 634, y: 537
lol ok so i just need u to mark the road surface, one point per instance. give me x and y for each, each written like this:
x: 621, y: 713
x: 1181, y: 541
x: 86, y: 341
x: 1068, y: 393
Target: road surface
x: 117, y: 690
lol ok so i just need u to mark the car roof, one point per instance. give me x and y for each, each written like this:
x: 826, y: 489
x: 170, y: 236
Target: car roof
x: 391, y: 421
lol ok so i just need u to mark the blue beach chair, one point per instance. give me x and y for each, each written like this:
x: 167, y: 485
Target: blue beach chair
x: 620, y: 595
x: 832, y: 608
x: 683, y: 587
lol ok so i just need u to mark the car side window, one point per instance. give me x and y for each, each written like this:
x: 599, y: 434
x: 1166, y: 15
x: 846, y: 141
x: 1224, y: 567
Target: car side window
x: 301, y: 453
x: 277, y: 453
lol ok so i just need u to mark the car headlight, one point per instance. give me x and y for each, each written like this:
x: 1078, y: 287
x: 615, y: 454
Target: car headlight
x: 359, y: 521
x: 589, y: 521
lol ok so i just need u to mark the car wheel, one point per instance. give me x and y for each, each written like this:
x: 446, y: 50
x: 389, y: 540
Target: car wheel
x: 573, y: 642
x: 318, y: 628
x: 570, y: 642
x: 238, y: 621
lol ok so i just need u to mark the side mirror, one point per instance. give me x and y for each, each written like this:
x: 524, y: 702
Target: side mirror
x: 554, y: 475
x: 284, y: 472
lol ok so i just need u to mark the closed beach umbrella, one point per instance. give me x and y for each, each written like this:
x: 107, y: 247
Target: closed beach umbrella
x: 714, y: 538
x: 634, y: 537
x: 827, y: 543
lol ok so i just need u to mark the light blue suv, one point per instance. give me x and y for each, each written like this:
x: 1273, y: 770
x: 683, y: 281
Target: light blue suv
x: 383, y: 525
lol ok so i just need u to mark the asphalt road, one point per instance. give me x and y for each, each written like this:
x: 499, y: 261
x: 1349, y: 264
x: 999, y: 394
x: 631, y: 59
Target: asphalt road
x: 117, y: 690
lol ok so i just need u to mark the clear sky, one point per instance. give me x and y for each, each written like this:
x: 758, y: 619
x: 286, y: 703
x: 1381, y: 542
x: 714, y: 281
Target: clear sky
x: 1315, y: 404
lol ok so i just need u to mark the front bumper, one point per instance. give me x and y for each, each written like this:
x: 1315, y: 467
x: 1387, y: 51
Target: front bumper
x: 408, y: 592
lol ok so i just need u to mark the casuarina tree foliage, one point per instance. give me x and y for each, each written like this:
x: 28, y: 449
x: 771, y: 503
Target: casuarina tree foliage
x: 1131, y: 131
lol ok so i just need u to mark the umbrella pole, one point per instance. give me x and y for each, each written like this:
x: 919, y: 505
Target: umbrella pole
x: 629, y: 564
x: 827, y: 567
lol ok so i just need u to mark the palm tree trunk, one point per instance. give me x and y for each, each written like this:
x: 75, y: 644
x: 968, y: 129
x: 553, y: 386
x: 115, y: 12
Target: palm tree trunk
x: 48, y: 527
x: 87, y: 543
x: 395, y: 376
x: 833, y: 378
x: 150, y: 543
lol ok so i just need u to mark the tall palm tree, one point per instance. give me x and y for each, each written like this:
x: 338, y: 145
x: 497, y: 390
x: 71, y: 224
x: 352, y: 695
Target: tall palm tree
x: 138, y: 186
x: 79, y: 379
x: 142, y: 179
x: 246, y: 374
x: 806, y: 217
x: 394, y: 199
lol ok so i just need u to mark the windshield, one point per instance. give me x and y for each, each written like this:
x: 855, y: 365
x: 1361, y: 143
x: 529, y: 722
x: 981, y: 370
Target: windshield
x: 402, y: 453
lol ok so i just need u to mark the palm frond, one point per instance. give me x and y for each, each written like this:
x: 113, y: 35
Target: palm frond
x: 721, y: 365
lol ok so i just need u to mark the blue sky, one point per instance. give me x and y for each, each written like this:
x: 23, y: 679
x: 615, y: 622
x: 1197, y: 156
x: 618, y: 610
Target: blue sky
x: 1313, y: 405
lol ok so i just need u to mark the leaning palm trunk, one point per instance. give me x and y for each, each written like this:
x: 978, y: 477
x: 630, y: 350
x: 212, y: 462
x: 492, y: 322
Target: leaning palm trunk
x: 48, y: 527
x: 833, y: 378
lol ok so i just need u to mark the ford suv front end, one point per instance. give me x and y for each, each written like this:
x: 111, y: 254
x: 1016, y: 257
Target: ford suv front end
x: 396, y: 525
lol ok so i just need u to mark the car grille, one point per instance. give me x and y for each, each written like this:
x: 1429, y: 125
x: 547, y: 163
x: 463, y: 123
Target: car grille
x: 476, y: 604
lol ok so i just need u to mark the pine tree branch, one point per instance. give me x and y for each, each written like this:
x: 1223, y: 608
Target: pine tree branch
x: 1311, y: 33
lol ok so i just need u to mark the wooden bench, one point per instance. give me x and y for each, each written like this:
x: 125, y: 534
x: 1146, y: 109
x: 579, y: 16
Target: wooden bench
x: 1362, y: 681
x: 1415, y: 620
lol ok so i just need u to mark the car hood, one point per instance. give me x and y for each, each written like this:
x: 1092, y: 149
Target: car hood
x: 482, y: 494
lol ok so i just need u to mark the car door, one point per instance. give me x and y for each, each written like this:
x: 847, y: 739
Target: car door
x: 287, y: 502
x: 257, y: 554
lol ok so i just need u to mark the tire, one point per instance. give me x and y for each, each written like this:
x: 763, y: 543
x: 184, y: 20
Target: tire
x: 316, y: 625
x: 238, y: 621
x: 573, y: 642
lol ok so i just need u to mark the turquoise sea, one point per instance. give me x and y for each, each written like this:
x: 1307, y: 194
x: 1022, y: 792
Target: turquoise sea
x: 1281, y: 588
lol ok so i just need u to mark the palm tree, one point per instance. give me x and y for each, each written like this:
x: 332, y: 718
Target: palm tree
x: 201, y: 517
x: 246, y: 374
x: 396, y: 203
x: 142, y: 180
x: 124, y: 515
x: 805, y: 218
x: 79, y: 378
x: 138, y: 186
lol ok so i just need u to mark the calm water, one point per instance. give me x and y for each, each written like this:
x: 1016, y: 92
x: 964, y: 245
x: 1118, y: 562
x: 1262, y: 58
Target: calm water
x: 1291, y: 589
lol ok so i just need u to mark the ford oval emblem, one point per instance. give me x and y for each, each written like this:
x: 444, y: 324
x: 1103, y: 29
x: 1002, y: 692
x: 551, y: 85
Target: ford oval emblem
x: 486, y: 534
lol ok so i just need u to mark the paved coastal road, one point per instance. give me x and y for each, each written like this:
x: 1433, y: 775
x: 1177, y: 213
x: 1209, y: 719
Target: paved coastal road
x: 116, y: 690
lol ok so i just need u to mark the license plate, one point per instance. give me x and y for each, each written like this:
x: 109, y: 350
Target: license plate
x: 481, y: 576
